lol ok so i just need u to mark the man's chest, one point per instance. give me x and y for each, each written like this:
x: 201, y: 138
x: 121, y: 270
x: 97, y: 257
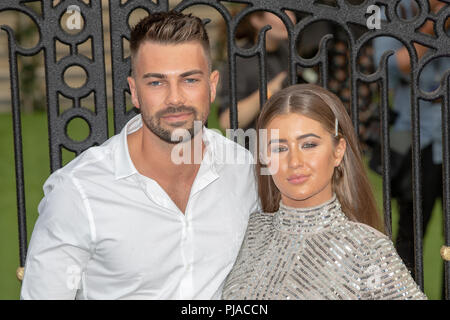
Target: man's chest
x: 159, y: 251
x: 178, y: 193
x: 140, y: 229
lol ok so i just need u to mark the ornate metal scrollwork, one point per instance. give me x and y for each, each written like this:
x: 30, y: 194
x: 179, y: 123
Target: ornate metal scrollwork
x: 344, y: 13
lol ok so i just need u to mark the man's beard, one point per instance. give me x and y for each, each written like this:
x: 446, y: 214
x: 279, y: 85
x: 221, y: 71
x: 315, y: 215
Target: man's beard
x: 153, y: 123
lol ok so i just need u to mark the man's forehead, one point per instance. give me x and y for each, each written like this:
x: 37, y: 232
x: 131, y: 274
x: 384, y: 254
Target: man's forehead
x: 184, y: 72
x: 185, y: 50
x: 170, y: 59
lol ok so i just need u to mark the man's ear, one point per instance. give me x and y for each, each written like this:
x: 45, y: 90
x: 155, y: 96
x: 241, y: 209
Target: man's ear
x: 133, y: 91
x: 339, y: 151
x: 213, y: 82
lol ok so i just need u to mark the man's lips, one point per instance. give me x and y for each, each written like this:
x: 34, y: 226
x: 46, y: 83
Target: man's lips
x: 297, y: 178
x: 177, y: 116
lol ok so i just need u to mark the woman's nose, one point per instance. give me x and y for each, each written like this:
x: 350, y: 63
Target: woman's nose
x: 295, y: 158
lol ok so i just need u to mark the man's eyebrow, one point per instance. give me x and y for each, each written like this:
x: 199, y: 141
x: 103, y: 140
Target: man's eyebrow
x: 190, y: 73
x: 154, y: 75
x: 163, y: 76
x: 303, y: 136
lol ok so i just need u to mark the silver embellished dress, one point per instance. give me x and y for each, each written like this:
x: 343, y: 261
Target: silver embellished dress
x: 317, y: 253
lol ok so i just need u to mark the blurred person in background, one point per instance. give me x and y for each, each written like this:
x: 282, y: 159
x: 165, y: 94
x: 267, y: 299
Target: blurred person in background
x: 399, y: 69
x: 247, y: 77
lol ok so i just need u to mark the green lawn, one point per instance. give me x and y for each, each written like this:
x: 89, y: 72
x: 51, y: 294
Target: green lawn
x: 434, y: 239
x: 36, y: 165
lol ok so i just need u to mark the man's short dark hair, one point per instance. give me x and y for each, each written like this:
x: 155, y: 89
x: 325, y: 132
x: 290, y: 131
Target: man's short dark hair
x: 169, y: 28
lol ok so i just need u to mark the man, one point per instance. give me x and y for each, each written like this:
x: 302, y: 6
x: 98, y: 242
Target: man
x: 128, y: 219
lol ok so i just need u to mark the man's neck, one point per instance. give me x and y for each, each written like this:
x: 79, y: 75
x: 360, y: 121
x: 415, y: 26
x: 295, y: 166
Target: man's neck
x: 161, y: 160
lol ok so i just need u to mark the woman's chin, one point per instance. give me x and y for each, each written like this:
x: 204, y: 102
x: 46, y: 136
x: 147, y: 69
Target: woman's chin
x: 297, y: 197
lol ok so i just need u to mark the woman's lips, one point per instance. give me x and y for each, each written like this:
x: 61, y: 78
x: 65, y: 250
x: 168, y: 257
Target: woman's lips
x: 297, y: 179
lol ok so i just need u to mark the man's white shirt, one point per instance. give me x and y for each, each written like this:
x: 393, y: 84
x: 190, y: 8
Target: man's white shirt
x: 107, y: 232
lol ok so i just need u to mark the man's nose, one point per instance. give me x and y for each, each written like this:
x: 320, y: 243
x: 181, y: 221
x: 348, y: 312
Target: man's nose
x: 175, y: 95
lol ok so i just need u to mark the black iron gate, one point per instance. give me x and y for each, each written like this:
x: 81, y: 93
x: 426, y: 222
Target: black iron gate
x: 344, y: 13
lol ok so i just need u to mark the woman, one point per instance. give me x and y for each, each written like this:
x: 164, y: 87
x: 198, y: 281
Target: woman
x: 316, y: 237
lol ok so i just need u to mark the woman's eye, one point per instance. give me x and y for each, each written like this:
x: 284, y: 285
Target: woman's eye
x: 278, y: 149
x: 309, y: 145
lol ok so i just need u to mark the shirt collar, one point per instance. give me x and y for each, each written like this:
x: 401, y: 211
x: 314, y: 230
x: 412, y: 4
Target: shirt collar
x: 124, y: 167
x: 210, y: 156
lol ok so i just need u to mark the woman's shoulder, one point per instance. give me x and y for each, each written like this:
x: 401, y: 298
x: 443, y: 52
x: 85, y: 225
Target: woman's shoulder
x: 383, y: 271
x: 259, y: 220
x: 369, y: 237
x: 259, y: 226
x: 361, y: 235
x: 260, y: 217
x: 368, y: 231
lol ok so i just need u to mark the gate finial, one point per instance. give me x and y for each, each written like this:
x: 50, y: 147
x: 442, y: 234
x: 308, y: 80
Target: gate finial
x: 445, y: 253
x: 19, y: 273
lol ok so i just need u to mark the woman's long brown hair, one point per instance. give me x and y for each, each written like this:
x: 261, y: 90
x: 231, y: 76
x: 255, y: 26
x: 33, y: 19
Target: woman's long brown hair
x: 349, y: 181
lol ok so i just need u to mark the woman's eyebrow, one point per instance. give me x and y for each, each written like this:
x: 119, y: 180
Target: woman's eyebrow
x: 277, y: 141
x: 303, y: 136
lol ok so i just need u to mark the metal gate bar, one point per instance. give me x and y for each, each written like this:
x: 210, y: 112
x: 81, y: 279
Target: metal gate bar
x: 344, y: 13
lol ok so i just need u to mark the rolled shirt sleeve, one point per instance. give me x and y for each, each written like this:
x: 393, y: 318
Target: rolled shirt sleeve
x: 61, y: 243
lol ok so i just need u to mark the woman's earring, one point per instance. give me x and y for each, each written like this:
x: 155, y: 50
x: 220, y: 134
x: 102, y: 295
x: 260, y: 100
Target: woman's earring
x: 338, y: 171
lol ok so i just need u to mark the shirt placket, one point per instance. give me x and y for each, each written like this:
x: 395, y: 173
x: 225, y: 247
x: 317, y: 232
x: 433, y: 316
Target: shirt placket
x: 187, y: 285
x: 156, y: 194
x: 187, y: 254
